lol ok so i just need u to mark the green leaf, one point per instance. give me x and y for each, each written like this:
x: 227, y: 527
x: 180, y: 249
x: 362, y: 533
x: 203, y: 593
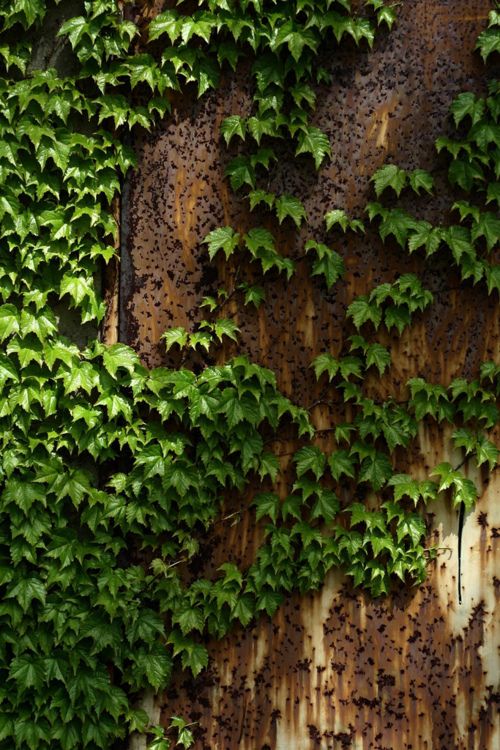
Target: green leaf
x: 259, y: 238
x: 375, y: 469
x: 157, y: 666
x: 326, y: 506
x: 261, y: 196
x: 173, y: 336
x: 419, y: 180
x: 120, y: 356
x: 361, y: 310
x: 325, y: 363
x: 9, y: 321
x: 222, y: 238
x: 467, y: 105
x: 397, y: 223
x: 267, y: 504
x: 310, y: 458
x: 168, y: 23
x: 225, y: 327
x: 329, y: 263
x: 241, y: 172
x: 378, y: 355
x: 26, y: 590
x: 339, y: 216
x: 313, y: 141
x: 486, y: 452
x: 254, y: 295
x: 341, y: 463
x: 269, y: 465
x: 290, y: 206
x: 389, y: 176
x: 231, y: 126
x: 488, y: 42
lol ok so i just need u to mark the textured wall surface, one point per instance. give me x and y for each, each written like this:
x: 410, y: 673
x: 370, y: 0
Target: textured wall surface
x: 335, y: 670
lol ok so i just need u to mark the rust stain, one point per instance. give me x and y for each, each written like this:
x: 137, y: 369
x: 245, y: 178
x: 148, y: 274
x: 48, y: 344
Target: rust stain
x: 334, y: 669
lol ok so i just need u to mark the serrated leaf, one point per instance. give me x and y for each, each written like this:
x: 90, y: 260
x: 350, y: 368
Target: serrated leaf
x: 419, y: 180
x: 375, y: 469
x: 326, y: 506
x: 173, y: 336
x: 389, y: 176
x: 361, y: 310
x: 313, y: 141
x: 378, y: 356
x: 267, y: 504
x: 290, y: 206
x: 231, y: 126
x: 341, y: 463
x: 329, y: 264
x: 310, y: 458
x: 222, y: 238
x: 325, y: 363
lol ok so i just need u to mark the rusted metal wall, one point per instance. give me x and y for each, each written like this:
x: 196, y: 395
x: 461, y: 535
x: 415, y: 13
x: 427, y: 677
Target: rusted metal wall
x: 335, y: 669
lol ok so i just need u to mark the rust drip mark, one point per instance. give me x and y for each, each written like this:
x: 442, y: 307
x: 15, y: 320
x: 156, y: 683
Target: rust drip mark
x: 461, y: 517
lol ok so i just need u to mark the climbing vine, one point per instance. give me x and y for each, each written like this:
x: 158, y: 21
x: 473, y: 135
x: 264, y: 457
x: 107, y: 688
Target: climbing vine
x: 112, y: 473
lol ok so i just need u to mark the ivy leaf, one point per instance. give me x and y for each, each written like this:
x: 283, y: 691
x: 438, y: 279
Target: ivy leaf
x: 269, y: 601
x: 397, y: 223
x: 267, y: 504
x: 195, y: 658
x: 341, y: 463
x: 9, y: 321
x: 269, y: 465
x: 387, y: 176
x: 231, y: 126
x: 290, y: 206
x: 325, y: 363
x: 173, y: 336
x: 260, y: 196
x: 419, y: 180
x: 339, y: 216
x: 226, y: 327
x: 310, y: 458
x: 329, y: 263
x: 375, y: 469
x: 254, y: 295
x: 361, y: 310
x: 313, y: 141
x: 464, y: 490
x: 240, y: 172
x: 259, y: 238
x: 168, y: 23
x: 377, y: 355
x: 157, y: 666
x: 397, y: 316
x: 467, y: 105
x: 326, y: 506
x: 120, y: 356
x: 488, y: 42
x: 74, y: 29
x: 292, y: 507
x: 412, y: 526
x: 26, y: 590
x: 222, y: 238
x: 487, y: 226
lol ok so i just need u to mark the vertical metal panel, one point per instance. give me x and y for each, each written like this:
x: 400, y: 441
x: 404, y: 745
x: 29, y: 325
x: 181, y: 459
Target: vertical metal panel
x: 336, y: 669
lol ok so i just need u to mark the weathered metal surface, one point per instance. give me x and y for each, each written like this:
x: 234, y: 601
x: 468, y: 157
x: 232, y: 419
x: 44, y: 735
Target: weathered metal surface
x: 336, y: 669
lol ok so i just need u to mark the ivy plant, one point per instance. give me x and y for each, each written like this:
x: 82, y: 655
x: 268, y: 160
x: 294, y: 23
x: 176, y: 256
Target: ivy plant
x: 112, y: 475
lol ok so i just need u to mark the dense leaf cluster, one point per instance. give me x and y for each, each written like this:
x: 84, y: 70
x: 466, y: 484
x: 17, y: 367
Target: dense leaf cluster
x: 112, y: 474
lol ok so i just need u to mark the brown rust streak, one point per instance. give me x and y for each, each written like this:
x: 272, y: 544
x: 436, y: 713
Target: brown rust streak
x: 336, y: 669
